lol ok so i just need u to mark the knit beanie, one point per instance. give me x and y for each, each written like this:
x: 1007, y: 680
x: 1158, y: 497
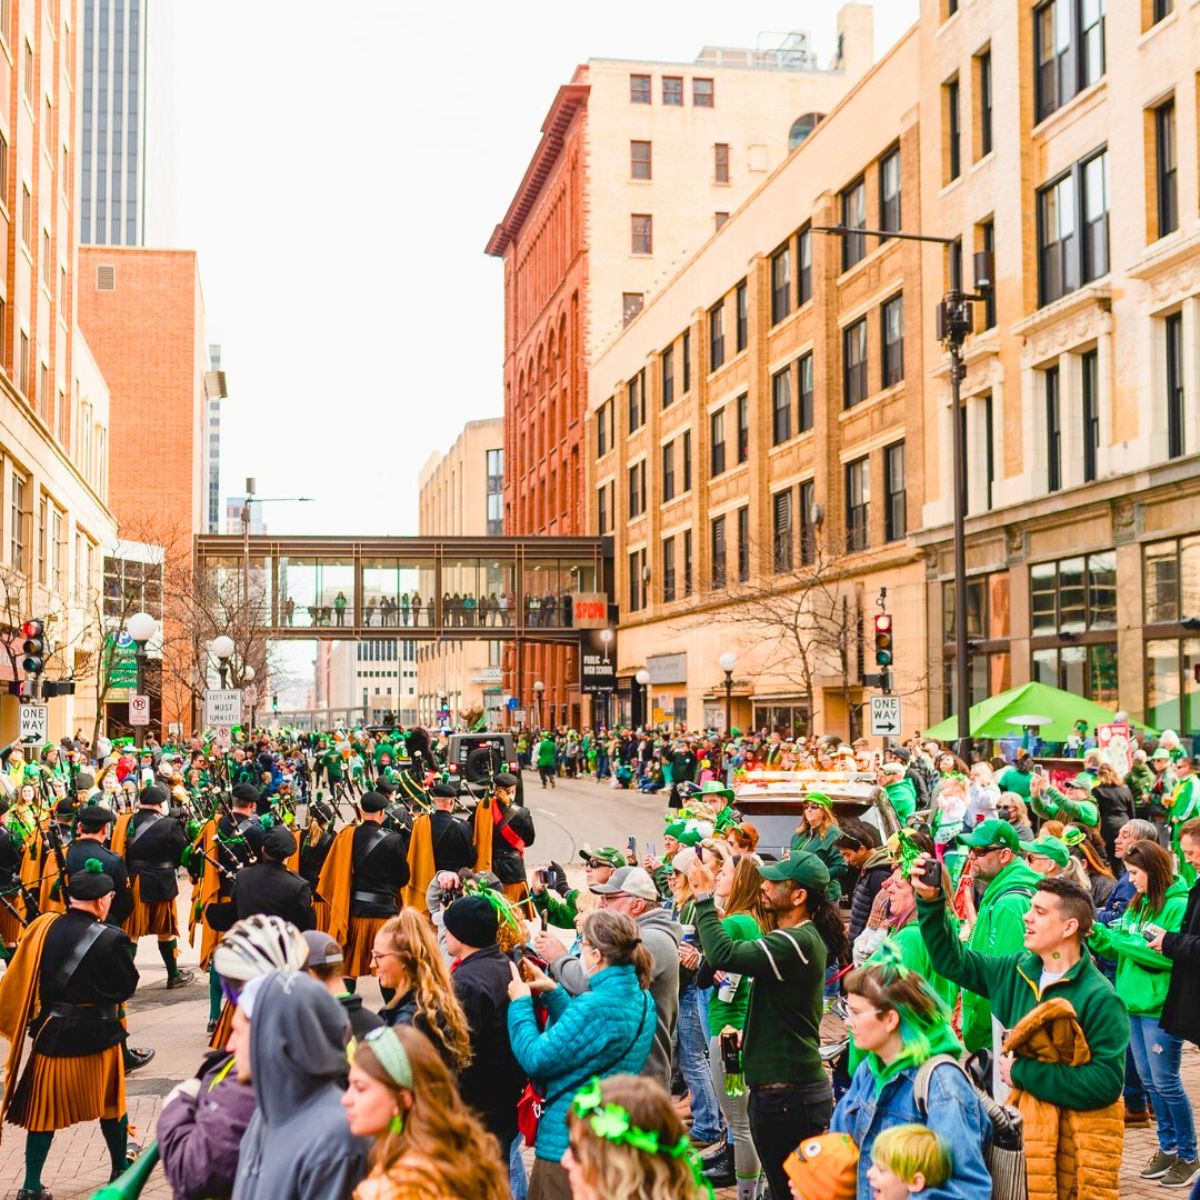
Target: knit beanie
x: 473, y: 921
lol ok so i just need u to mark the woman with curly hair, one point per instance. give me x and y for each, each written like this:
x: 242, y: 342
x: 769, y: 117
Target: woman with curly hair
x: 625, y: 1139
x: 406, y: 958
x: 427, y: 1144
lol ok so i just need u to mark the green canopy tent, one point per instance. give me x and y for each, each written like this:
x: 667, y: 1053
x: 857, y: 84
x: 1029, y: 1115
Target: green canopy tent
x: 992, y: 718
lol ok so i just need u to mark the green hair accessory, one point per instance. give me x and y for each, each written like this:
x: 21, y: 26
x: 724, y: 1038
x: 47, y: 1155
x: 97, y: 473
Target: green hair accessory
x: 93, y: 866
x: 613, y: 1123
x: 504, y: 910
x: 890, y: 957
x: 1073, y: 835
x: 909, y: 850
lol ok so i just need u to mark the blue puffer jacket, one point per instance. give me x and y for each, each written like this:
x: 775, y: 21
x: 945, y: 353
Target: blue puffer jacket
x: 596, y: 1033
x: 954, y: 1111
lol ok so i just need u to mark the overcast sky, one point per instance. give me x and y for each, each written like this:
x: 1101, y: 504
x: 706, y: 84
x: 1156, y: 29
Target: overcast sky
x: 339, y: 169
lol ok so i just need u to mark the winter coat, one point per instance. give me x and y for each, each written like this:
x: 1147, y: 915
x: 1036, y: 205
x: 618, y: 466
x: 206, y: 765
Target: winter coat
x: 545, y: 752
x: 1116, y: 808
x: 198, y: 1136
x: 874, y: 872
x: 297, y: 1061
x: 824, y: 846
x: 608, y: 1030
x: 1069, y: 1152
x: 1181, y: 1008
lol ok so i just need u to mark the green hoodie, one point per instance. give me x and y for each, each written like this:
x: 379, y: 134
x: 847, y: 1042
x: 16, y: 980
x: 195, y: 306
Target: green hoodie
x: 1142, y: 974
x: 999, y: 929
x: 1013, y: 984
x: 903, y: 795
x: 1052, y: 805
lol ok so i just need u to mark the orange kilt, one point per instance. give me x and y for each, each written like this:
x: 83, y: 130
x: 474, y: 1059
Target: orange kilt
x: 518, y: 894
x: 359, y: 940
x: 10, y: 927
x: 56, y: 1092
x: 158, y: 917
x: 220, y: 1035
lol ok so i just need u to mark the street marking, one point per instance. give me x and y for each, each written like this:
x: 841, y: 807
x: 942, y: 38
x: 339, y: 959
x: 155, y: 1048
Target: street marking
x: 547, y: 812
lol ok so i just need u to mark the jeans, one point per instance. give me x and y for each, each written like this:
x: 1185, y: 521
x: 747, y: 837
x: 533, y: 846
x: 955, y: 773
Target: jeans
x: 693, y: 1066
x: 781, y: 1118
x: 518, y: 1182
x: 1135, y: 1093
x: 1157, y: 1054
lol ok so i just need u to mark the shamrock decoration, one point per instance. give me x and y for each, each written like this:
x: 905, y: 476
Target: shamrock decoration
x: 610, y: 1122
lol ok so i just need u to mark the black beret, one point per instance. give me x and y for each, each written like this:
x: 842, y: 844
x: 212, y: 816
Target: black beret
x: 91, y: 883
x: 447, y: 791
x: 279, y: 843
x: 506, y: 779
x: 94, y: 817
x: 245, y: 793
x: 65, y: 807
x: 372, y: 802
x: 153, y: 795
x: 385, y: 787
x: 84, y: 780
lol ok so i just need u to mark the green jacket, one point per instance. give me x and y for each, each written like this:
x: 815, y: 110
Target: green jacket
x: 1013, y: 984
x: 903, y: 795
x: 825, y: 848
x: 1142, y: 974
x: 1139, y: 781
x: 999, y: 929
x: 1052, y: 805
x: 545, y: 752
x: 555, y: 910
x: 1012, y: 780
x: 1184, y: 805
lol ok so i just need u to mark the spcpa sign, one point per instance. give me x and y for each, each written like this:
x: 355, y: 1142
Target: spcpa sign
x: 591, y: 610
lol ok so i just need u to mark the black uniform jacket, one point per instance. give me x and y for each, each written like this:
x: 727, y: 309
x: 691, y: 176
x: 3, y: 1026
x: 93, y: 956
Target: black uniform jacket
x: 80, y: 851
x: 271, y: 889
x: 154, y: 855
x: 507, y: 861
x: 453, y: 845
x: 380, y: 867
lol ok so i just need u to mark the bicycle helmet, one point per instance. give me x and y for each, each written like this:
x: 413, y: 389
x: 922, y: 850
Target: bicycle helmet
x: 259, y: 945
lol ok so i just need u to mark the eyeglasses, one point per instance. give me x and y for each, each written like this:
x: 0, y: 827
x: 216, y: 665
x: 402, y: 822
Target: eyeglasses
x: 378, y: 954
x: 853, y: 1016
x: 594, y: 864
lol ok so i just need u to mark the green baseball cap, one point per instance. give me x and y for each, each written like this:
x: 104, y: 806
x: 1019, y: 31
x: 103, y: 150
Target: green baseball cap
x: 1162, y: 754
x: 608, y: 855
x: 991, y: 835
x: 804, y: 869
x: 818, y: 798
x: 1087, y: 782
x: 1055, y: 849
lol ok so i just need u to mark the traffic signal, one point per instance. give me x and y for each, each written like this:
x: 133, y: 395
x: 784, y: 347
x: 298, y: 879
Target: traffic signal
x: 34, y: 647
x: 883, y: 640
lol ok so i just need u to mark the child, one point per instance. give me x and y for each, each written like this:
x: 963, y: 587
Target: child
x: 905, y: 1160
x: 824, y: 1167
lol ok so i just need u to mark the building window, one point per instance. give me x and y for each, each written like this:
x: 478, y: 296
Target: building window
x: 858, y: 504
x: 639, y: 160
x: 743, y: 316
x: 28, y: 71
x: 641, y: 232
x: 672, y: 90
x: 984, y: 82
x: 718, y: 552
x: 987, y: 241
x: 603, y: 418
x: 716, y: 335
x: 889, y: 190
x: 1089, y: 368
x: 637, y: 489
x: 23, y: 364
x: 895, y: 515
x: 687, y: 460
x: 16, y: 525
x: 602, y: 514
x: 1053, y: 430
x: 639, y: 89
x: 854, y: 363
x: 636, y: 401
x: 1078, y: 198
x: 801, y: 128
x: 26, y: 217
x: 1068, y: 37
x: 1165, y: 173
x: 989, y: 446
x: 6, y: 19
x: 781, y: 511
x: 1095, y: 217
x: 743, y: 523
x: 668, y: 570
x: 668, y: 472
x: 42, y: 534
x: 47, y: 262
x: 687, y: 361
x: 687, y: 562
x: 719, y: 219
x: 717, y: 439
x: 1173, y: 683
x: 1173, y: 329
x: 637, y: 564
x: 702, y: 93
x: 631, y: 305
x: 721, y: 162
x: 781, y: 283
x: 1171, y: 575
x: 781, y: 405
x: 892, y: 322
x: 743, y: 429
x: 950, y: 99
x: 1160, y: 11
x: 854, y: 216
x: 808, y: 528
x: 806, y: 392
x: 1074, y: 595
x: 495, y: 493
x: 667, y: 375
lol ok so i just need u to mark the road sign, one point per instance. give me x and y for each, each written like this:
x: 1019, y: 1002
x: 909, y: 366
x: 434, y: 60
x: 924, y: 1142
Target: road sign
x: 250, y: 693
x: 223, y: 708
x: 35, y: 722
x: 224, y: 737
x: 139, y: 710
x: 122, y: 661
x: 885, y: 716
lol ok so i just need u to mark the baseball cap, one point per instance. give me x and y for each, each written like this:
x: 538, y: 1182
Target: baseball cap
x: 893, y: 768
x: 1087, y: 782
x: 804, y: 869
x: 610, y: 856
x: 992, y: 835
x: 1162, y: 754
x: 1053, y: 848
x: 323, y: 950
x: 824, y: 1167
x: 628, y: 881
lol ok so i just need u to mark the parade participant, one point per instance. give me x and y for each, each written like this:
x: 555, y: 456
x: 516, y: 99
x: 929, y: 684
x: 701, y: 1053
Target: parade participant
x: 240, y: 830
x: 204, y: 1117
x: 427, y: 1142
x: 598, y: 866
x: 607, y: 1030
x: 361, y: 881
x: 324, y: 963
x: 818, y: 834
x: 414, y: 979
x: 790, y: 1094
x: 269, y: 888
x: 907, y: 1160
x: 899, y: 1024
x: 64, y: 985
x: 625, y: 1139
x: 545, y: 757
x: 501, y: 848
x: 492, y: 1082
x: 439, y: 842
x: 153, y: 845
x: 1183, y: 805
x: 289, y: 1043
x: 1064, y: 1061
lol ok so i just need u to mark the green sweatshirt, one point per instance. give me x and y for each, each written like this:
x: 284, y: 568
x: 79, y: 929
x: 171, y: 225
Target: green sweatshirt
x: 741, y: 927
x: 1013, y: 984
x: 903, y: 795
x: 1052, y: 805
x: 555, y: 911
x: 781, y: 1042
x: 826, y: 849
x: 1142, y: 974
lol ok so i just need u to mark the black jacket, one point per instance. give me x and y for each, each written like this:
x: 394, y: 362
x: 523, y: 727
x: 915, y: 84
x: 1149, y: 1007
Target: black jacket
x: 1181, y: 1011
x: 154, y: 855
x: 10, y: 857
x: 453, y: 844
x: 271, y: 889
x: 314, y: 854
x: 362, y: 1020
x: 870, y: 880
x: 508, y: 862
x: 380, y: 867
x: 493, y: 1081
x: 242, y: 837
x: 1115, y: 802
x: 80, y: 851
x: 403, y: 1011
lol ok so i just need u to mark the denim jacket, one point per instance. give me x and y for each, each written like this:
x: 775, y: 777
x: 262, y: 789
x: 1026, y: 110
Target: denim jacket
x: 954, y: 1111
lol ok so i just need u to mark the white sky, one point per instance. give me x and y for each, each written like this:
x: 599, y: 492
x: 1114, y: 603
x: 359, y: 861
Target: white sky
x: 339, y: 168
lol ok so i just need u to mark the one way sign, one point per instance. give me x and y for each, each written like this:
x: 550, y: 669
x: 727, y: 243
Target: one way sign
x: 885, y: 716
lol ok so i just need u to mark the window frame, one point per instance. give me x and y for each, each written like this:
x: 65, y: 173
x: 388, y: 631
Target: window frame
x: 676, y: 93
x: 805, y: 395
x: 743, y: 428
x: 1166, y: 179
x: 666, y: 376
x: 1089, y: 395
x: 781, y: 405
x: 781, y: 283
x: 1052, y: 400
x: 742, y: 317
x: 890, y: 205
x: 667, y: 553
x: 804, y: 269
x: 952, y: 92
x: 718, y: 551
x: 895, y: 512
x: 854, y: 375
x: 986, y: 83
x: 782, y: 532
x: 891, y: 357
x: 1176, y: 386
x: 743, y: 525
x: 716, y: 335
x: 641, y: 232
x: 854, y: 245
x: 716, y: 442
x: 704, y: 91
x: 857, y: 476
x: 641, y: 88
x: 637, y: 162
x: 720, y: 162
x: 668, y: 471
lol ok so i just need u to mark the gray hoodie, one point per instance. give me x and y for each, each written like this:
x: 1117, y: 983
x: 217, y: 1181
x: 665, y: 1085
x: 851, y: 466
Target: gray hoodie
x: 298, y: 1145
x: 661, y: 935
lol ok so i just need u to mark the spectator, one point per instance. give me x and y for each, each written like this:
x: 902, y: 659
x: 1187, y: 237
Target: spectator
x: 598, y: 866
x: 818, y: 834
x: 1065, y: 1063
x: 1183, y: 805
x: 427, y: 1143
x: 982, y: 795
x: 908, y: 1159
x: 643, y: 1152
x: 323, y: 962
x: 1087, y: 857
x: 289, y: 1042
x: 1116, y: 805
x: 913, y: 772
x: 1014, y: 810
x: 1015, y: 778
x: 859, y: 846
x: 1140, y: 780
x: 609, y: 1029
x: 1143, y: 976
x: 899, y: 1023
x: 900, y: 790
x: 1181, y: 1009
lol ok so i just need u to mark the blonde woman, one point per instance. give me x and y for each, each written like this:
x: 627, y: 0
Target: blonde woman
x: 406, y: 958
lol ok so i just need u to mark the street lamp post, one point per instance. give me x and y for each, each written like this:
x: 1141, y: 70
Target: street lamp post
x: 248, y: 677
x: 643, y: 678
x: 222, y: 650
x: 538, y: 688
x: 606, y: 638
x: 727, y: 662
x: 141, y: 627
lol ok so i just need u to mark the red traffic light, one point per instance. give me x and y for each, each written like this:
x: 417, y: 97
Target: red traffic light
x: 32, y: 629
x: 883, y: 623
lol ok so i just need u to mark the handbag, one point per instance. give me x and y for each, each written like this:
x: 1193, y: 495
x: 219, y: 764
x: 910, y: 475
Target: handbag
x: 531, y: 1104
x: 1005, y: 1154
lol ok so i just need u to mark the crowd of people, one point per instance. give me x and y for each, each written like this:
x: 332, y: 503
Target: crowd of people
x: 1014, y: 955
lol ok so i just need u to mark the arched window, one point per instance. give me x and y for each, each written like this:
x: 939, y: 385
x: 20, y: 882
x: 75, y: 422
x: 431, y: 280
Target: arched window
x: 802, y: 127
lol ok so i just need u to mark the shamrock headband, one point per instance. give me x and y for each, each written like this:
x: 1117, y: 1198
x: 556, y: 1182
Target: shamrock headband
x: 612, y: 1123
x: 393, y: 1058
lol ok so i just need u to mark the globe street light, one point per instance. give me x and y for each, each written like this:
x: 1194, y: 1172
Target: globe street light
x: 222, y: 650
x: 538, y: 688
x: 727, y: 662
x: 141, y: 627
x: 643, y: 678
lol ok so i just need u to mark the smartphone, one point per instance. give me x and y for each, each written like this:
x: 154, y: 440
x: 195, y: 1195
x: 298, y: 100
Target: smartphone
x: 1150, y: 932
x: 651, y: 850
x: 731, y: 1052
x: 931, y: 874
x: 633, y: 849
